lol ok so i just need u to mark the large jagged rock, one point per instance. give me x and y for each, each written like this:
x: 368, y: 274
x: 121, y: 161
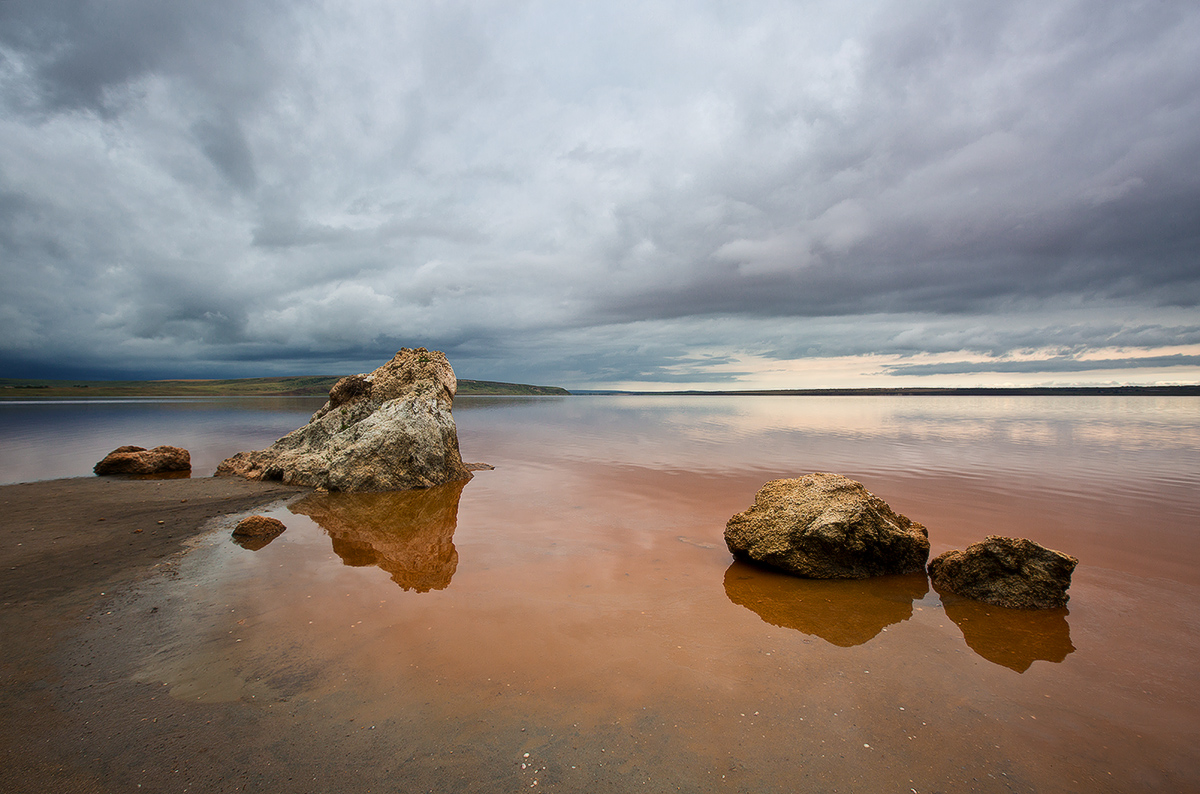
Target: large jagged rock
x: 1008, y: 572
x: 388, y: 430
x: 826, y: 526
x: 139, y: 460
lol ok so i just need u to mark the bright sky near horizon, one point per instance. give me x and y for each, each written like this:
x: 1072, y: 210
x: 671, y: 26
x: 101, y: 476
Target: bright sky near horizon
x: 647, y: 194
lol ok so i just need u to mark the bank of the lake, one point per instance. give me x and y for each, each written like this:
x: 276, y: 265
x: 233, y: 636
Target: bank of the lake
x: 303, y: 386
x: 66, y: 547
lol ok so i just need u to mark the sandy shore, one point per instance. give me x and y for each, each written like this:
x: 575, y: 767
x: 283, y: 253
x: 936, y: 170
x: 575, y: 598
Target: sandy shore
x: 66, y: 548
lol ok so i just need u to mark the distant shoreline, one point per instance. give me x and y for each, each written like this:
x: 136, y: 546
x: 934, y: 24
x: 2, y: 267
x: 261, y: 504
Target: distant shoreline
x: 972, y: 391
x: 318, y: 386
x: 300, y: 386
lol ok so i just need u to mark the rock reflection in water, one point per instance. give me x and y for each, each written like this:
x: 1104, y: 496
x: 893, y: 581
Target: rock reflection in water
x: 1013, y: 638
x: 844, y: 612
x: 409, y: 534
x: 256, y: 543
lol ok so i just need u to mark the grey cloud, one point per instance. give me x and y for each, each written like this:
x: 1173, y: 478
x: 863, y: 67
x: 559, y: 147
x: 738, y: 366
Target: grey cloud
x: 280, y: 232
x: 81, y: 51
x: 989, y: 335
x: 594, y: 192
x: 1044, y: 365
x: 226, y: 146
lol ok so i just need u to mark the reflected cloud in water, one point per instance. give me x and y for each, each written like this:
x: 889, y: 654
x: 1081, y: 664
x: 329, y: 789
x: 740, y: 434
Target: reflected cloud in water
x: 409, y: 534
x: 844, y: 612
x: 1013, y: 638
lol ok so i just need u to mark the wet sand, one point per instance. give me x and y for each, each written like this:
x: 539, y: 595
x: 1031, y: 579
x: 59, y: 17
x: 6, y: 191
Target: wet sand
x: 67, y: 549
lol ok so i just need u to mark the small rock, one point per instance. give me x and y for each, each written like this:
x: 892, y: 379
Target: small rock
x: 255, y: 532
x: 1009, y: 572
x: 139, y: 460
x: 257, y: 526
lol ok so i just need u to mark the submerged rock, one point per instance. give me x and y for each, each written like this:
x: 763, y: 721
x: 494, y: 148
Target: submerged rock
x: 826, y: 526
x: 139, y: 460
x: 1008, y: 572
x: 387, y: 430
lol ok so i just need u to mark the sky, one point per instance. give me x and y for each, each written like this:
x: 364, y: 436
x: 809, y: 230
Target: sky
x: 603, y: 195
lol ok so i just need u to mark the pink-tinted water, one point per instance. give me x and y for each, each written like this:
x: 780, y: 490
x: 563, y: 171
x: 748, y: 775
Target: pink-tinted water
x: 578, y: 604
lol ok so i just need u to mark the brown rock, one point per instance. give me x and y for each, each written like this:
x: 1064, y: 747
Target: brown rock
x: 1008, y: 572
x: 256, y: 532
x: 388, y: 430
x: 258, y: 526
x: 139, y: 460
x: 826, y: 526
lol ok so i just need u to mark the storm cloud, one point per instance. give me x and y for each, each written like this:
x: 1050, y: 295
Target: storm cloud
x: 602, y: 194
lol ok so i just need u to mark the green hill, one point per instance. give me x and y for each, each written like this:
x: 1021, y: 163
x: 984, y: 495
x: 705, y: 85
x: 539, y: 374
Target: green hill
x: 314, y: 386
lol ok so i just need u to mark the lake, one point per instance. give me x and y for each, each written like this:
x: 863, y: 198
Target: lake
x: 578, y: 603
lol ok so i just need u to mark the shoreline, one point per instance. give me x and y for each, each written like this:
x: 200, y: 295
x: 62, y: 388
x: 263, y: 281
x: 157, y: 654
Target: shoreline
x: 65, y: 535
x: 298, y: 386
x: 67, y: 547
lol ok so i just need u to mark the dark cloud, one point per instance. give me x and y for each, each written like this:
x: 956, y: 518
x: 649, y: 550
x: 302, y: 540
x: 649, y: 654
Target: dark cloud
x: 596, y: 193
x: 84, y: 54
x: 226, y: 147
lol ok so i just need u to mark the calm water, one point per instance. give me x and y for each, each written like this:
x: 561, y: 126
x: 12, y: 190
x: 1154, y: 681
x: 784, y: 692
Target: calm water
x: 578, y: 603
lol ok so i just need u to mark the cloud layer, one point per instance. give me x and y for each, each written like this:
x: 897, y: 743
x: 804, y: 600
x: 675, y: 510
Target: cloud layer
x: 601, y: 194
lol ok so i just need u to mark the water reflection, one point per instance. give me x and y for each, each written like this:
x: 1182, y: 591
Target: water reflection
x: 255, y: 542
x: 844, y: 612
x: 409, y: 534
x: 1013, y: 638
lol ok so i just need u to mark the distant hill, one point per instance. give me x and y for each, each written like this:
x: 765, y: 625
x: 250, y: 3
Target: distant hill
x: 496, y: 387
x: 308, y: 386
